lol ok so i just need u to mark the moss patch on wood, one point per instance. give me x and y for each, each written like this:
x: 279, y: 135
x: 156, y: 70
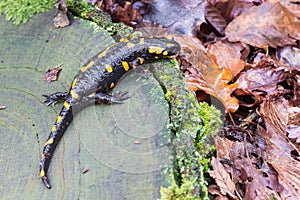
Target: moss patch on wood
x: 192, y: 125
x: 87, y: 11
x: 22, y: 11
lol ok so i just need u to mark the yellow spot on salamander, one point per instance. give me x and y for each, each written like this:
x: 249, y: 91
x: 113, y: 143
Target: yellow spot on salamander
x: 112, y: 85
x: 92, y: 95
x: 84, y: 68
x: 53, y: 128
x: 42, y: 173
x: 125, y: 65
x: 74, y: 82
x: 170, y: 45
x: 58, y: 119
x: 130, y: 44
x: 74, y: 95
x: 67, y: 105
x: 50, y: 141
x: 123, y: 40
x: 108, y: 68
x: 165, y: 53
x: 142, y: 40
x: 155, y: 49
x: 141, y: 60
x: 102, y: 54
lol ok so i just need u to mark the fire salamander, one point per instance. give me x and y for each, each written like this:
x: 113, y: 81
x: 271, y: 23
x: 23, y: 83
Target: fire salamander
x: 95, y: 78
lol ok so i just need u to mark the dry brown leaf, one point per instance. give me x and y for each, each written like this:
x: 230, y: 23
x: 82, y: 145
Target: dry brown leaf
x: 275, y: 112
x: 288, y: 169
x: 204, y: 74
x: 61, y: 20
x: 51, y: 74
x: 233, y: 8
x: 293, y: 126
x: 214, y: 17
x: 253, y: 177
x: 228, y: 55
x: 289, y: 55
x: 262, y: 79
x: 260, y: 182
x: 124, y: 11
x: 279, y: 150
x: 258, y: 190
x: 222, y: 178
x: 223, y: 147
x: 184, y: 16
x: 292, y: 6
x: 265, y: 25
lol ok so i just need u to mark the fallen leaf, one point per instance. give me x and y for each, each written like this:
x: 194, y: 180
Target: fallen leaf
x: 214, y: 17
x: 182, y: 15
x: 258, y: 187
x: 228, y: 55
x: 245, y: 158
x: 265, y: 75
x: 275, y: 111
x: 204, y: 73
x: 126, y: 12
x: 292, y: 6
x: 262, y: 79
x: 293, y: 125
x: 232, y: 9
x: 265, y: 25
x: 61, y: 20
x: 279, y: 148
x: 51, y: 74
x: 222, y: 178
x: 289, y: 55
x: 223, y: 147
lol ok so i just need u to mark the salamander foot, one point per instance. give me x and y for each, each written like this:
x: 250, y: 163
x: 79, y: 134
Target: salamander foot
x: 52, y: 99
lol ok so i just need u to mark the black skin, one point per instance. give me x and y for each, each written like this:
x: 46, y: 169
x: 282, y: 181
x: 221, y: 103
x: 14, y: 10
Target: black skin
x: 95, y: 79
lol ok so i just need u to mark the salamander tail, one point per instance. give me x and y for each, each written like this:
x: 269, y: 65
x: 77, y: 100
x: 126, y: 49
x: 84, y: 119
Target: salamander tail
x: 43, y: 173
x: 57, y: 131
x: 46, y: 182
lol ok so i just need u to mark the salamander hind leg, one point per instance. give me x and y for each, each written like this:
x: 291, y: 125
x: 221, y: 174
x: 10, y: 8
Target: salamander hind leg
x: 52, y: 99
x: 103, y: 98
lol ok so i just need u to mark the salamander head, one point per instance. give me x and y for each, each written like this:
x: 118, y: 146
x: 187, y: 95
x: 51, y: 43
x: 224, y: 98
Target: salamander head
x: 163, y: 47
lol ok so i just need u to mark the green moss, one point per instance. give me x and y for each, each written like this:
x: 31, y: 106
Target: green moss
x: 174, y: 192
x: 21, y: 11
x: 87, y: 11
x: 192, y: 124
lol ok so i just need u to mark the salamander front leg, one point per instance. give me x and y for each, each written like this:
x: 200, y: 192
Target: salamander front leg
x: 144, y: 73
x: 52, y: 99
